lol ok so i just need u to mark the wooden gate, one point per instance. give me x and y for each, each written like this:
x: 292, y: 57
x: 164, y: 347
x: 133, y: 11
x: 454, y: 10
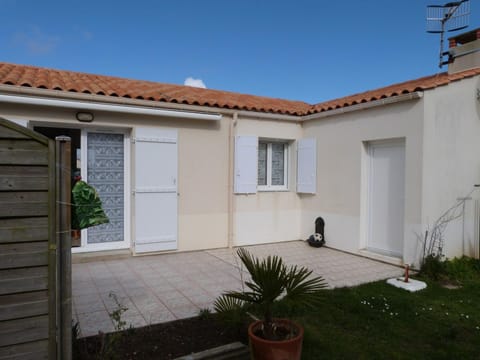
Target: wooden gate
x: 29, y: 290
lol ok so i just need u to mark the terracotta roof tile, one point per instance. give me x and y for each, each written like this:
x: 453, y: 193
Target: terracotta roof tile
x: 421, y: 84
x: 69, y: 81
x: 29, y: 76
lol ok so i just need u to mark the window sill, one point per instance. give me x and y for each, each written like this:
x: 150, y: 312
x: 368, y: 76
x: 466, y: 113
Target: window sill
x: 272, y: 190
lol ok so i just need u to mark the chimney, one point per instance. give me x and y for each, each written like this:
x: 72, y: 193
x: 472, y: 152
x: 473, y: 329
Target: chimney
x: 464, y: 51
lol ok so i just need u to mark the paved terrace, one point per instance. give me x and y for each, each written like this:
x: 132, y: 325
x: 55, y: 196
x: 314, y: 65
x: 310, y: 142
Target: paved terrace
x: 167, y: 287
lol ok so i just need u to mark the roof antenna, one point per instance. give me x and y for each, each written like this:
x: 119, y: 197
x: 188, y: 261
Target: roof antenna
x: 452, y: 16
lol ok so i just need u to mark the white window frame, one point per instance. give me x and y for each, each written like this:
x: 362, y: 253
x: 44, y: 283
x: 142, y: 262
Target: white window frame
x: 269, y: 186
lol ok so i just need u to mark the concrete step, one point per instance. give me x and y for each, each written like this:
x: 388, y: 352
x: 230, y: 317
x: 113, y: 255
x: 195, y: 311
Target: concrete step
x: 233, y: 351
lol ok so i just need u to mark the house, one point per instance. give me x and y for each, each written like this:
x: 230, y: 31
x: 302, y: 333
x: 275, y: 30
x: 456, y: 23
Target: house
x: 181, y: 168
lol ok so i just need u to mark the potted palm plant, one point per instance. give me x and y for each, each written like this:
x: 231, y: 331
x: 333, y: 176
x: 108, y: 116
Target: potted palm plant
x: 272, y: 281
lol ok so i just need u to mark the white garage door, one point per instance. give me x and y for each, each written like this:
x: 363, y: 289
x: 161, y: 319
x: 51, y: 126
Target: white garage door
x: 155, y: 189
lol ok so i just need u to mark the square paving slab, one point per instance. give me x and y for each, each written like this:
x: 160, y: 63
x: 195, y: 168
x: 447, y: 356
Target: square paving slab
x: 161, y: 288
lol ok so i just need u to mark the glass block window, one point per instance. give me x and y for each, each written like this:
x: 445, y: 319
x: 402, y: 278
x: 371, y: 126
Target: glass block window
x: 272, y: 165
x: 106, y: 175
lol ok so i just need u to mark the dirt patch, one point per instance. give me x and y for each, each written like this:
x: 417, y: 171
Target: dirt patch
x: 162, y: 341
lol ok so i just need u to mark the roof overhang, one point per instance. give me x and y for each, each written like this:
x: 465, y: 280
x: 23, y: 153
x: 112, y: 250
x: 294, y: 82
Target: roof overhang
x: 367, y: 105
x: 84, y: 102
x: 97, y: 106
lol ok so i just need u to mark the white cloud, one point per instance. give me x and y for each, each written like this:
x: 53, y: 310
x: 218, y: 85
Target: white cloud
x: 36, y: 42
x: 189, y: 81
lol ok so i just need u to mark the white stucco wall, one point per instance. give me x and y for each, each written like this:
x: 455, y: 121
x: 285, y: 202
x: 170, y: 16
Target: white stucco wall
x: 269, y: 216
x: 451, y: 157
x: 341, y: 187
x: 202, y: 167
x: 442, y: 163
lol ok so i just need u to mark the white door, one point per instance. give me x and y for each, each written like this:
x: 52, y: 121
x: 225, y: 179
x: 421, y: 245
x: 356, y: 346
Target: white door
x: 386, y: 203
x: 155, y: 189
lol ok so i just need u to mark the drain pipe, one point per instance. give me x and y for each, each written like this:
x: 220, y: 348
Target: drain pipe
x: 231, y: 195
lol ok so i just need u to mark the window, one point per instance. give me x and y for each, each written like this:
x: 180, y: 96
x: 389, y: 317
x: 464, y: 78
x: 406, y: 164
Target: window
x: 272, y: 165
x: 262, y: 165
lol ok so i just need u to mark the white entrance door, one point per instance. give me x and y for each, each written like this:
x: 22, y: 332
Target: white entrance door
x: 155, y: 189
x: 386, y: 203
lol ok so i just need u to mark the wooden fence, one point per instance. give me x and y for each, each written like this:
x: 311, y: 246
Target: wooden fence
x: 30, y: 300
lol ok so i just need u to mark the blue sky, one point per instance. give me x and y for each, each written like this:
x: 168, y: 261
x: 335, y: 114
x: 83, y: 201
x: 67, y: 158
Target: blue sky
x: 299, y: 50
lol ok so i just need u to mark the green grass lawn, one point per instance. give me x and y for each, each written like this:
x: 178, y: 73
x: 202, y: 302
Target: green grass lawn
x: 379, y: 321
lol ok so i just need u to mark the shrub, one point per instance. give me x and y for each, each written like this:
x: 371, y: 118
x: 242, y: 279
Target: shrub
x: 433, y: 267
x: 456, y: 269
x: 463, y: 269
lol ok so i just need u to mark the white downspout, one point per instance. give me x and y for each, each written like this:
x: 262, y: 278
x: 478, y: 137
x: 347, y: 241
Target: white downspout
x: 231, y: 195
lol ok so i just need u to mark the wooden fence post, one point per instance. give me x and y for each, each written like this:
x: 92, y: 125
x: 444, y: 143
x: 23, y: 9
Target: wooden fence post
x: 52, y: 252
x: 64, y: 245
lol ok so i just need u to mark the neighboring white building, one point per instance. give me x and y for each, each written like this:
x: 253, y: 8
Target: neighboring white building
x: 181, y: 168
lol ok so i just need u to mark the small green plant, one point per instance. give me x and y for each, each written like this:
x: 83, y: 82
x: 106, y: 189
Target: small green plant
x: 75, y: 330
x: 109, y: 341
x: 205, y: 313
x: 233, y: 312
x: 116, y: 315
x: 271, y: 282
x: 75, y: 336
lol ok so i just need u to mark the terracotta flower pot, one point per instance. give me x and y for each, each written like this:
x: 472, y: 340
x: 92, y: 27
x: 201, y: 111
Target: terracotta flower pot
x: 262, y: 349
x: 76, y: 238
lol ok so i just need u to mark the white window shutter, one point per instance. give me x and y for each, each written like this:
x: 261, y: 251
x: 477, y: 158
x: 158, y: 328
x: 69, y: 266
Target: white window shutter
x: 246, y: 163
x: 307, y: 166
x: 156, y: 198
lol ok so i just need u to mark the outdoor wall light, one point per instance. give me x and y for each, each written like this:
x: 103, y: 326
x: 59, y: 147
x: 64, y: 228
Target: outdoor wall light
x: 84, y: 116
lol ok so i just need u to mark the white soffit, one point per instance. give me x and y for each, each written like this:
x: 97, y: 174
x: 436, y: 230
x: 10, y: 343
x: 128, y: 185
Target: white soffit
x: 93, y: 106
